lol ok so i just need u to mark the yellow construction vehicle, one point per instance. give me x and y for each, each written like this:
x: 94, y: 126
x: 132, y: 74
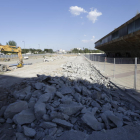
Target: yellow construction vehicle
x: 8, y: 48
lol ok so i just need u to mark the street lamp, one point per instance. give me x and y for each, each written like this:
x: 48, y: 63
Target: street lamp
x: 39, y: 46
x: 24, y: 44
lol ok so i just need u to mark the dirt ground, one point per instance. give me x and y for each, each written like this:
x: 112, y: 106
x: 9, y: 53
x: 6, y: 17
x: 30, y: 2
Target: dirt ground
x: 37, y: 67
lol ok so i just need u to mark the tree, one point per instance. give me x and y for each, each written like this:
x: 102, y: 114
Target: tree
x: 0, y: 44
x: 48, y: 50
x: 11, y: 43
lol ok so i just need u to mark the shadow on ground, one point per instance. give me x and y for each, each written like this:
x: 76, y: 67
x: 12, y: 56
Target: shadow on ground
x: 88, y: 95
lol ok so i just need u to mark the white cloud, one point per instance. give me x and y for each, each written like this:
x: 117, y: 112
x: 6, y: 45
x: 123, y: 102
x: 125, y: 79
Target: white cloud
x: 92, y: 15
x: 85, y: 35
x: 81, y: 17
x: 91, y: 40
x: 75, y: 10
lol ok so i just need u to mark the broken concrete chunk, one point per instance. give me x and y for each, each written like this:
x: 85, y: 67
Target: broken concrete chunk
x: 2, y: 120
x: 116, y: 120
x: 2, y: 110
x: 77, y: 97
x: 40, y: 110
x: 77, y: 89
x: 85, y: 91
x: 21, y: 94
x: 9, y: 120
x: 96, y: 95
x: 92, y: 122
x: 66, y: 100
x: 70, y: 109
x: 96, y: 88
x: 63, y: 123
x: 106, y: 107
x: 36, y: 93
x: 72, y: 135
x: 59, y: 115
x: 121, y: 109
x: 39, y: 85
x: 47, y: 125
x: 95, y: 104
x: 29, y: 131
x: 44, y: 98
x: 15, y: 108
x: 55, y: 103
x: 39, y: 135
x: 25, y: 116
x: 104, y: 118
x: 50, y: 89
x: 46, y: 117
x: 66, y: 90
x: 59, y: 94
x: 20, y: 136
x: 52, y: 131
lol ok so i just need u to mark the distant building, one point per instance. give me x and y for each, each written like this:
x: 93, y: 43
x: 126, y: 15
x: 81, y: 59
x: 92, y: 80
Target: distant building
x: 123, y: 41
x: 61, y: 51
x: 78, y: 48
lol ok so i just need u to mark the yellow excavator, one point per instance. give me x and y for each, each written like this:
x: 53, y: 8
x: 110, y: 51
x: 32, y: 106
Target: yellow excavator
x: 8, y: 48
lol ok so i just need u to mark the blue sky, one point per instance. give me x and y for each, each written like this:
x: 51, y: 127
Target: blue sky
x: 62, y: 24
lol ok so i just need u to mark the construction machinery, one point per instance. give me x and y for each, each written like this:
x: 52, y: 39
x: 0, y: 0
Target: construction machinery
x: 15, y: 49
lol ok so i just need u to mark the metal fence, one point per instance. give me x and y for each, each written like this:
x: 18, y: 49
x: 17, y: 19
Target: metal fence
x: 123, y: 71
x: 15, y: 56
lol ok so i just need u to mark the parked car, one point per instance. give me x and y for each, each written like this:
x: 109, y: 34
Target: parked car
x: 1, y: 53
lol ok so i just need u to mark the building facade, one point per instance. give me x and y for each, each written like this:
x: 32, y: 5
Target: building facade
x: 124, y: 41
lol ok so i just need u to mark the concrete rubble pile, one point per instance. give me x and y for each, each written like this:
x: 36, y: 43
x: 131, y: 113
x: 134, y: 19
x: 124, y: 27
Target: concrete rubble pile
x: 79, y: 101
x: 50, y: 59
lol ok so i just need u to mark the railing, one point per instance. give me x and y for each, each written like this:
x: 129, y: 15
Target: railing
x: 124, y: 71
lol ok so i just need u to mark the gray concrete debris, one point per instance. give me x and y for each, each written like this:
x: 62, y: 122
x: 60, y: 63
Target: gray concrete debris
x: 2, y: 110
x: 9, y: 120
x: 95, y: 104
x: 47, y: 125
x: 39, y: 85
x: 44, y: 98
x: 29, y: 131
x: 72, y: 135
x: 66, y: 90
x: 20, y: 136
x: 92, y: 122
x: 59, y: 94
x: 47, y: 137
x: 39, y: 109
x: 70, y: 109
x: 2, y: 120
x: 46, y: 117
x: 39, y: 135
x: 62, y: 123
x: 47, y: 107
x: 24, y: 117
x: 117, y: 121
x: 50, y: 89
x: 77, y: 89
x: 15, y: 108
x: 52, y: 131
x: 21, y: 94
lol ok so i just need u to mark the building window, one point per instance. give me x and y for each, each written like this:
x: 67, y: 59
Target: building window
x: 131, y: 27
x: 115, y: 35
x: 137, y: 24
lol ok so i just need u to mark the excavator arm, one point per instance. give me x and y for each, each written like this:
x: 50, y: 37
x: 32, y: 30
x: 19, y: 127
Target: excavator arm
x: 8, y: 48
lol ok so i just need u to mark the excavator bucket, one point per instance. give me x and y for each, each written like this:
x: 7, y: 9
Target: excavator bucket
x: 19, y: 65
